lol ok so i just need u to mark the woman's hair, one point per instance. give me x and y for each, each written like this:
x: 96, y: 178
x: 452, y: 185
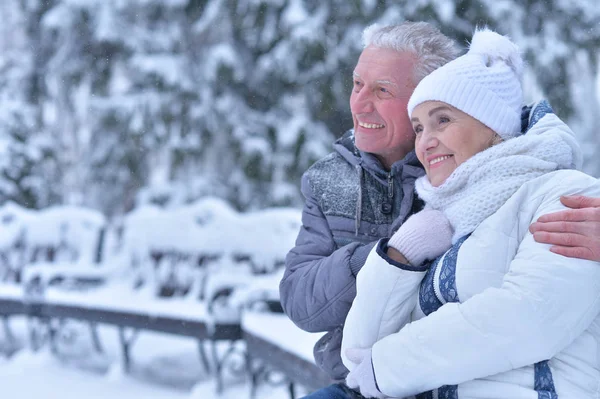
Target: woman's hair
x: 496, y: 139
x: 430, y: 46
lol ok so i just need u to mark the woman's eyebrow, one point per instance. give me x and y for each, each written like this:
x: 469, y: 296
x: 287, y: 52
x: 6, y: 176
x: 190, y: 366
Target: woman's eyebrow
x: 440, y: 108
x: 431, y: 112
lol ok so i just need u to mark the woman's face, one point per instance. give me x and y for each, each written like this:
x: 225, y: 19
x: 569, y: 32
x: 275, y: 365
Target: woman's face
x: 446, y: 137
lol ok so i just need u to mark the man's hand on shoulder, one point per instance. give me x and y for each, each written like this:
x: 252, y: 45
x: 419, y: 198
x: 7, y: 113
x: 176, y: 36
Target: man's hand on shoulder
x: 573, y: 232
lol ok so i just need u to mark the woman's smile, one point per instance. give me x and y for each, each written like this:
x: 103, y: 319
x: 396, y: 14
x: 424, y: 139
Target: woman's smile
x: 437, y: 160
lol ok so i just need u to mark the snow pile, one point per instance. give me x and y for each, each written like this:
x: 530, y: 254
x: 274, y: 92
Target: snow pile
x: 180, y: 248
x: 57, y: 234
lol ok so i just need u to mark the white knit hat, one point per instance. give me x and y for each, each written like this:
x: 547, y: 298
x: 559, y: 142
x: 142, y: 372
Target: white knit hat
x: 484, y: 83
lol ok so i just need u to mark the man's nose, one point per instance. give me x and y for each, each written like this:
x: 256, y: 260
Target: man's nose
x: 361, y: 102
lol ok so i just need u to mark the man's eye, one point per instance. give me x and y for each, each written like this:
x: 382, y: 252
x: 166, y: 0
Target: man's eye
x: 384, y: 92
x: 418, y: 129
x: 356, y: 83
x: 444, y: 119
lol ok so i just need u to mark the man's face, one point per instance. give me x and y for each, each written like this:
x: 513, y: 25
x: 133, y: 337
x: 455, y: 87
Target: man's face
x: 383, y: 84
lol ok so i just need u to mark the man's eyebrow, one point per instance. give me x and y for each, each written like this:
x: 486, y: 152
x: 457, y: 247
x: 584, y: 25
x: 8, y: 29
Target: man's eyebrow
x: 386, y: 82
x: 440, y: 108
x: 381, y: 82
x: 414, y: 119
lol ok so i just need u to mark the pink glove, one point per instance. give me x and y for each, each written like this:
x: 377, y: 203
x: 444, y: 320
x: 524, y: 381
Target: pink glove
x: 363, y: 377
x: 424, y: 235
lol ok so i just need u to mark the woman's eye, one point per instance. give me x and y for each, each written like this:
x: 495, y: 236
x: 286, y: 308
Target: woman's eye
x: 444, y: 119
x: 418, y: 129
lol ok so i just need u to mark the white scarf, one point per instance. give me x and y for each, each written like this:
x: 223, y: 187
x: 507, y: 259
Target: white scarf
x: 482, y: 184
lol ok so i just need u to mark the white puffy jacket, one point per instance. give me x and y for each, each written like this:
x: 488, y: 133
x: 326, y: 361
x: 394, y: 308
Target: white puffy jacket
x: 506, y: 304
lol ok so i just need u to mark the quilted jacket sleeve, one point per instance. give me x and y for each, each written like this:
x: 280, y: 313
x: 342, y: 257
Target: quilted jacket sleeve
x: 319, y: 282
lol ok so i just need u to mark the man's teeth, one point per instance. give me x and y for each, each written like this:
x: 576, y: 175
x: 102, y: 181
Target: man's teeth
x: 439, y: 159
x: 370, y: 125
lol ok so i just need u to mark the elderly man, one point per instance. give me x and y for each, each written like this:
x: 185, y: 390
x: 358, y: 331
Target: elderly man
x: 364, y: 191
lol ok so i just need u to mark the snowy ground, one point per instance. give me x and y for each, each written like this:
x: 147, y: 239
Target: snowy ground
x: 165, y: 366
x: 42, y: 376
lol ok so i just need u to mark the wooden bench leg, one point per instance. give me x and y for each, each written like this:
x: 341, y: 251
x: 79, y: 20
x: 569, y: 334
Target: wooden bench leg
x: 203, y: 356
x: 218, y: 366
x: 126, y: 343
x: 220, y: 362
x: 96, y: 338
x: 35, y: 327
x: 31, y: 334
x: 53, y: 331
x: 254, y: 373
x: 260, y: 374
x: 10, y: 337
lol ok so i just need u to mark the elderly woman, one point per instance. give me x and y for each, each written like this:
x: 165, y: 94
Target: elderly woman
x: 496, y: 314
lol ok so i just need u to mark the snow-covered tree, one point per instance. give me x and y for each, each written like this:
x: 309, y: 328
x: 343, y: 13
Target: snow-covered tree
x: 27, y: 172
x: 113, y: 103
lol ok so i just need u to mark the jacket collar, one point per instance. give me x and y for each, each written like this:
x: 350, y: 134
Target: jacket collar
x: 409, y: 166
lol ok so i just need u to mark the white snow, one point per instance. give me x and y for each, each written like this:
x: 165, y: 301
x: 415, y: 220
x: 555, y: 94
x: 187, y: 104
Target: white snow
x: 30, y: 375
x: 121, y: 104
x: 165, y: 367
x: 207, y: 226
x: 211, y: 226
x: 282, y: 332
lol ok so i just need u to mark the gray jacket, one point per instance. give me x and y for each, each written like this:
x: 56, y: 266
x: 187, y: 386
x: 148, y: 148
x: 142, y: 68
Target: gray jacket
x: 351, y: 202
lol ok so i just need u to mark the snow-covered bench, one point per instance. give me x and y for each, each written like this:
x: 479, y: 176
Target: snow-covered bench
x: 11, y: 304
x: 274, y: 343
x: 183, y: 250
x: 130, y: 312
x: 187, y: 271
x: 56, y: 234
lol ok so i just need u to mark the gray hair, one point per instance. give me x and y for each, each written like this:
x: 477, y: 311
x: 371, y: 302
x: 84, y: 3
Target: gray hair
x: 431, y: 47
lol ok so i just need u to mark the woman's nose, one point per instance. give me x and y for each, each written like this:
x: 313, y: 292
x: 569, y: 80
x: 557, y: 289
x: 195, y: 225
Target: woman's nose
x: 426, y: 142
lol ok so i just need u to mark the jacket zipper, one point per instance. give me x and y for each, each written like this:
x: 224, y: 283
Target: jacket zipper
x: 387, y: 207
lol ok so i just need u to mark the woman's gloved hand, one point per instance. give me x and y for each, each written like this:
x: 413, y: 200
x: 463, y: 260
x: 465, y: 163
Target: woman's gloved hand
x: 424, y: 235
x: 362, y: 377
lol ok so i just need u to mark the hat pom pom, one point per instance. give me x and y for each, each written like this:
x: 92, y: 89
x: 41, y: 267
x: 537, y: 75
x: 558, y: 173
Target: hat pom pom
x: 495, y: 47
